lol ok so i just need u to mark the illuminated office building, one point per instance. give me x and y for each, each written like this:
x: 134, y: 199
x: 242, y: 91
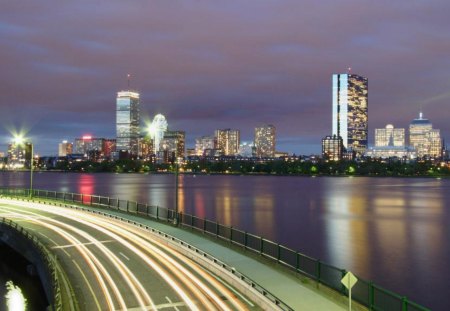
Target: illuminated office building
x: 228, y: 141
x: 265, y: 141
x: 332, y: 148
x: 65, y: 148
x: 204, y: 143
x: 390, y: 136
x: 157, y: 130
x: 350, y: 111
x: 127, y: 122
x: 174, y: 143
x: 424, y: 139
x: 19, y: 155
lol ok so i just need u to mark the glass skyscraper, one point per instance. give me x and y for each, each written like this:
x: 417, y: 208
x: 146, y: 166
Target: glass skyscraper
x: 127, y: 122
x: 350, y: 111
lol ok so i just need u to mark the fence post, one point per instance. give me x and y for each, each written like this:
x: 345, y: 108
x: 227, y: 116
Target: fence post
x: 217, y: 229
x: 204, y: 225
x: 297, y: 261
x: 157, y: 212
x: 404, y: 304
x: 128, y: 203
x: 371, y: 296
x: 261, y: 246
x: 245, y: 239
x: 278, y: 252
x: 82, y: 201
x: 192, y: 222
x: 318, y: 270
x: 231, y: 234
x: 343, y: 272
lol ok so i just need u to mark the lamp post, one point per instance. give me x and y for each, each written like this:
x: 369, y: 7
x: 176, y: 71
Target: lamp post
x: 19, y: 140
x: 175, y: 219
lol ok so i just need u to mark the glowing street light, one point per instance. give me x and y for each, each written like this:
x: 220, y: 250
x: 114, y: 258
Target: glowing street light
x: 20, y: 141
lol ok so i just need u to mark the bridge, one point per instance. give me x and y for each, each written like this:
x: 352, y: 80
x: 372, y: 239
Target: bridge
x: 106, y: 259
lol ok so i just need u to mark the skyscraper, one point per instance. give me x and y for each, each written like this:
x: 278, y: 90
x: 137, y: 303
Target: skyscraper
x: 265, y: 141
x: 426, y: 140
x: 127, y: 122
x: 390, y: 136
x: 175, y: 143
x: 350, y: 111
x: 332, y: 148
x: 157, y: 130
x: 228, y: 141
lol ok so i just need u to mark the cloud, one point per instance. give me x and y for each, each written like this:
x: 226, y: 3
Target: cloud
x: 208, y: 65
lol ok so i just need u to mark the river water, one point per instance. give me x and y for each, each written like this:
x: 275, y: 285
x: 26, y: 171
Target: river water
x: 393, y: 231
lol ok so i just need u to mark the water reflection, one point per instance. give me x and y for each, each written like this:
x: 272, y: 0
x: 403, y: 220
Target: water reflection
x: 263, y: 219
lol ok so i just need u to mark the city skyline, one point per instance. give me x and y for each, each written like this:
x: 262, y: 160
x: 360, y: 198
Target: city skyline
x: 254, y: 64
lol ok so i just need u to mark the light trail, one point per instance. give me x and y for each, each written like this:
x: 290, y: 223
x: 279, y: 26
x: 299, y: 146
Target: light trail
x: 141, y: 244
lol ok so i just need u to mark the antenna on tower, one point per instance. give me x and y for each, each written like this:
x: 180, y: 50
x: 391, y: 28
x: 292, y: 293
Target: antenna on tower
x: 128, y: 78
x: 349, y: 69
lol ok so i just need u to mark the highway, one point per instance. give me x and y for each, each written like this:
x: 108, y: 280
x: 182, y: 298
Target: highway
x: 113, y: 265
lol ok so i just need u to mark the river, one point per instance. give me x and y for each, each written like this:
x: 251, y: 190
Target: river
x: 393, y: 231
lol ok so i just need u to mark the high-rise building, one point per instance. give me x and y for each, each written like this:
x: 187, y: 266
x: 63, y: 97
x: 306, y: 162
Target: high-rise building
x: 350, y: 111
x: 65, y: 148
x: 203, y: 143
x: 390, y: 136
x: 19, y: 155
x: 424, y: 138
x: 127, y: 122
x: 228, y: 141
x: 265, y: 141
x: 157, y: 130
x: 95, y: 148
x: 332, y: 148
x: 146, y: 148
x: 174, y: 142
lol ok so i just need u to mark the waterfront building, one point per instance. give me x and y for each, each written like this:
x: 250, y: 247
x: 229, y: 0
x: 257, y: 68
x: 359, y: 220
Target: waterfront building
x: 386, y: 152
x: 228, y: 141
x: 332, y: 148
x: 390, y: 136
x: 265, y: 141
x: 174, y: 142
x: 191, y: 152
x: 246, y: 149
x: 127, y: 122
x: 203, y: 143
x: 146, y: 148
x: 350, y: 111
x: 19, y: 155
x: 424, y: 138
x: 65, y: 148
x: 95, y: 149
x: 157, y: 129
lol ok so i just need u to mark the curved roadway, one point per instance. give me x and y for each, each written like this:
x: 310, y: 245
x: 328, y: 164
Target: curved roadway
x: 113, y: 265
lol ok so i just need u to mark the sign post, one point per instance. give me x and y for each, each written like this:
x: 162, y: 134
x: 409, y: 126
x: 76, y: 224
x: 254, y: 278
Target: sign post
x: 349, y: 280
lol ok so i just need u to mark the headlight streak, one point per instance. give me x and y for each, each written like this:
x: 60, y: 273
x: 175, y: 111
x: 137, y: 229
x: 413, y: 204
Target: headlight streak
x: 90, y: 259
x: 126, y: 274
x: 128, y: 234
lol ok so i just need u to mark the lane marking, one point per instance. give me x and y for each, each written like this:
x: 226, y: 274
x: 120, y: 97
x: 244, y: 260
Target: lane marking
x: 88, y: 284
x: 171, y: 304
x: 124, y: 256
x: 53, y: 241
x: 161, y: 306
x: 78, y: 244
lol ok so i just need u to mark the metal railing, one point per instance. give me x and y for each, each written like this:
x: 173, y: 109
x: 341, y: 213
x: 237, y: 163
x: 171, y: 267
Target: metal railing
x: 367, y: 293
x: 48, y: 260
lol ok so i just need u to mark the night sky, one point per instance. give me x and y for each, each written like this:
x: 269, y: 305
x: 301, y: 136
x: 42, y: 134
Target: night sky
x: 219, y: 64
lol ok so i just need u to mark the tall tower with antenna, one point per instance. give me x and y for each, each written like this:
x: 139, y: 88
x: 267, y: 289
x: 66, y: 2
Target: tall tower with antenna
x: 127, y: 121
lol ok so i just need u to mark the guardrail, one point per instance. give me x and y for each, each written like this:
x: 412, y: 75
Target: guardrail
x: 365, y: 292
x: 47, y: 258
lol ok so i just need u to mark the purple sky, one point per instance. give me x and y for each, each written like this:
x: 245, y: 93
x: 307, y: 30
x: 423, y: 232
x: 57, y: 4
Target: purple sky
x: 219, y: 64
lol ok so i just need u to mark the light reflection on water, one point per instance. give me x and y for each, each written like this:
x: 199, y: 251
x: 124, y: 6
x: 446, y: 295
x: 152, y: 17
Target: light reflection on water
x: 391, y: 230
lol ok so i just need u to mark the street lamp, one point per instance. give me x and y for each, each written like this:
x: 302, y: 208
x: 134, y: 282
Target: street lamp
x: 175, y: 219
x: 20, y: 140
